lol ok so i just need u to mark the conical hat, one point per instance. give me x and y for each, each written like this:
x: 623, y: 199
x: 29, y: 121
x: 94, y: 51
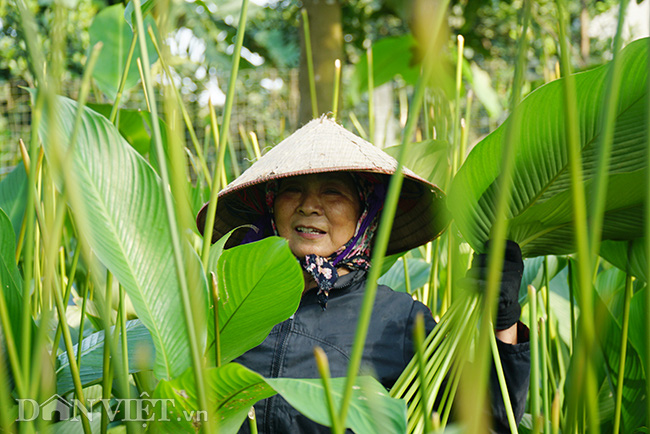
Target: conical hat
x: 321, y: 146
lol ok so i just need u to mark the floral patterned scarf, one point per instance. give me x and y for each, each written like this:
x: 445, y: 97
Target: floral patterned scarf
x: 353, y: 255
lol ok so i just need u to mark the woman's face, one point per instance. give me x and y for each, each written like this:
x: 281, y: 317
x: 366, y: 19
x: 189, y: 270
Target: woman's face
x: 316, y: 213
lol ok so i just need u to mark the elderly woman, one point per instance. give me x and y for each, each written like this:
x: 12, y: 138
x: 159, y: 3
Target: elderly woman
x: 323, y: 189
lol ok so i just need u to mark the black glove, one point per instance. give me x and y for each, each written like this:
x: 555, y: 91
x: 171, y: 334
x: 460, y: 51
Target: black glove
x: 513, y: 269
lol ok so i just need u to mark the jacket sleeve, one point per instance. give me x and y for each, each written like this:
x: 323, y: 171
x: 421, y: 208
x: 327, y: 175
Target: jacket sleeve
x: 515, y: 360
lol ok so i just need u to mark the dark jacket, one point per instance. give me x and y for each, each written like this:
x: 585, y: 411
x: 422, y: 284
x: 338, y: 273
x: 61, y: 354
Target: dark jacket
x: 288, y: 350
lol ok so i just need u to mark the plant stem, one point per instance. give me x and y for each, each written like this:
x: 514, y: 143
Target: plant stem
x: 407, y: 278
x: 324, y: 371
x: 623, y: 351
x: 418, y: 338
x: 585, y: 343
x: 459, y: 85
x: 173, y: 225
x: 68, y: 289
x: 223, y: 138
x: 125, y: 73
x: 601, y: 178
x: 85, y: 294
x: 371, y: 96
x: 215, y: 303
x: 534, y: 358
x: 503, y: 385
x: 74, y: 369
x: 545, y: 369
x: 337, y: 85
x: 107, y: 372
x: 186, y: 117
x: 310, y: 63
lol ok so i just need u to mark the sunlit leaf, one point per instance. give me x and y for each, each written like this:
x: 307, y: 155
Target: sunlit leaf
x: 13, y: 196
x: 616, y: 252
x: 10, y: 278
x: 260, y: 285
x: 540, y: 211
x: 231, y: 391
x: 140, y: 350
x: 371, y: 411
x: 427, y: 158
x: 133, y: 125
x: 123, y: 216
x: 110, y: 28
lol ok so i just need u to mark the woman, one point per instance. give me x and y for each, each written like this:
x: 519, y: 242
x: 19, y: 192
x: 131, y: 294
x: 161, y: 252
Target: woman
x: 323, y: 189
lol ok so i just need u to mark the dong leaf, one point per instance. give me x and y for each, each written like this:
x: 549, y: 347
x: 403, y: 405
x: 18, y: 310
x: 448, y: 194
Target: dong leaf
x: 110, y: 28
x: 427, y: 158
x: 13, y: 196
x: 122, y: 214
x: 140, y: 353
x: 540, y: 210
x: 259, y: 285
x: 616, y: 252
x: 11, y: 282
x: 371, y: 409
x: 231, y: 391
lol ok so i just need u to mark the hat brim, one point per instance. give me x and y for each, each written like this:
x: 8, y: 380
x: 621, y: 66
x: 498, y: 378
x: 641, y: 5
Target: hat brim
x: 421, y: 214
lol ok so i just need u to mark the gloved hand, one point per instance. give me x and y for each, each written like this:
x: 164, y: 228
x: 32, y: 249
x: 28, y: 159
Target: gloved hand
x: 513, y: 269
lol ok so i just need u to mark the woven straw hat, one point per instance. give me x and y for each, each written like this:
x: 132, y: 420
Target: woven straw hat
x: 321, y: 146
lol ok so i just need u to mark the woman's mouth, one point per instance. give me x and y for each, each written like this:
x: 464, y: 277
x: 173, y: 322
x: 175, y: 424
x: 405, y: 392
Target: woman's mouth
x: 309, y: 230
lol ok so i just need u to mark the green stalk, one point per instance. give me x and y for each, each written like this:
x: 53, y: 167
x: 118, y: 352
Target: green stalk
x: 623, y: 351
x: 11, y: 347
x: 599, y: 190
x: 534, y: 358
x: 407, y: 278
x: 173, y: 224
x: 371, y: 96
x: 358, y: 126
x: 120, y: 87
x: 215, y: 302
x: 585, y: 343
x: 246, y: 142
x: 512, y: 423
x: 418, y: 335
x: 85, y: 295
x: 383, y: 234
x: 66, y: 297
x: 545, y: 382
x: 5, y: 420
x: 337, y: 85
x: 223, y: 139
x: 324, y: 370
x: 125, y: 346
x: 78, y: 387
x: 459, y: 85
x: 107, y: 372
x: 256, y: 145
x: 310, y: 63
x: 433, y: 281
x: 647, y: 254
x: 186, y: 117
x: 464, y: 138
x: 498, y: 232
x: 252, y: 423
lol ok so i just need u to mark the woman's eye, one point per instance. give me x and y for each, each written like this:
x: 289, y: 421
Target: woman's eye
x: 332, y: 191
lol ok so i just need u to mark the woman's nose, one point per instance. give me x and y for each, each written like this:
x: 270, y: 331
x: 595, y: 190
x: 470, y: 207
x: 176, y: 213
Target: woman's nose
x: 310, y: 204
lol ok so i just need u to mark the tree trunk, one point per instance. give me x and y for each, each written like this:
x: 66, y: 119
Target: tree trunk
x: 326, y: 46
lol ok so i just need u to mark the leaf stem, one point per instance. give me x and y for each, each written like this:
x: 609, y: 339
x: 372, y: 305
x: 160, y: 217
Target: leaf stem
x: 208, y: 229
x: 503, y: 385
x: 337, y: 86
x: 310, y: 63
x: 623, y: 349
x: 418, y: 339
x: 173, y: 224
x: 125, y: 73
x: 324, y: 371
x: 186, y: 117
x: 371, y: 96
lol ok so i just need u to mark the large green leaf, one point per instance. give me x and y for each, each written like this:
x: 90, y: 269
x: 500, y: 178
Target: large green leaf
x: 110, y: 28
x: 427, y: 158
x: 634, y: 399
x: 616, y: 252
x: 372, y: 410
x: 418, y: 270
x: 231, y: 391
x: 260, y: 285
x: 140, y: 353
x: 540, y: 211
x: 13, y: 196
x: 133, y: 125
x: 11, y: 281
x: 122, y: 211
